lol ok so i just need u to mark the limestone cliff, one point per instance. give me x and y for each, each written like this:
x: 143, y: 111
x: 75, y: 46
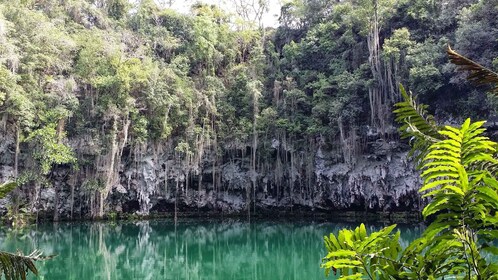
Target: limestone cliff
x: 380, y: 179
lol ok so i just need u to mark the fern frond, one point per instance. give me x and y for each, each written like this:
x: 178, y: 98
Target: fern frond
x: 411, y: 114
x: 350, y: 249
x: 489, y: 166
x: 416, y: 124
x: 479, y: 75
x: 456, y: 177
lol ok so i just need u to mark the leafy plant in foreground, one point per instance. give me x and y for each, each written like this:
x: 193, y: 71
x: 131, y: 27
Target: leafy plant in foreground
x: 458, y: 166
x: 416, y: 124
x: 479, y: 75
x: 463, y: 204
x: 353, y: 253
x: 16, y: 266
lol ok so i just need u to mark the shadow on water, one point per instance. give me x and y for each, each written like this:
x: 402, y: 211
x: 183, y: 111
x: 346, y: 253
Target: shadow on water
x: 193, y: 249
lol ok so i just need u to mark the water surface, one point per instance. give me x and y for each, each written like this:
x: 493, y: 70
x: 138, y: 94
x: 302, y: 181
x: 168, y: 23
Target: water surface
x: 193, y: 249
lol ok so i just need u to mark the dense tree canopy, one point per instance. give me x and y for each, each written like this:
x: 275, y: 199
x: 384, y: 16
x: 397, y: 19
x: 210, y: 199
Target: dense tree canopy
x: 85, y: 83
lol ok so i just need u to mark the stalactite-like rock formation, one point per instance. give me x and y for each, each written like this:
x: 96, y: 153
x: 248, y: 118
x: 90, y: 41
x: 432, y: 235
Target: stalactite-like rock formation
x: 156, y: 181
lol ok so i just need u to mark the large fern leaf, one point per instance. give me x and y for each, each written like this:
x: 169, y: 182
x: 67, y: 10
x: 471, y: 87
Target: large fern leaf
x: 452, y: 178
x: 462, y: 196
x: 479, y: 75
x: 416, y: 124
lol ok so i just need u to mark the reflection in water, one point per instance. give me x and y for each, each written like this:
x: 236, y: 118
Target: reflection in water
x: 189, y: 250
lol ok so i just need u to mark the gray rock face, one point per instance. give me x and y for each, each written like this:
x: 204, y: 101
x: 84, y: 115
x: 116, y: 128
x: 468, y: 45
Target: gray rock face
x: 380, y: 180
x: 370, y: 184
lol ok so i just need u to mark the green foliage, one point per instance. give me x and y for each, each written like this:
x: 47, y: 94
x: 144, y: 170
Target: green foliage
x: 117, y: 9
x: 458, y: 172
x: 425, y: 74
x: 106, y: 81
x: 49, y: 149
x: 450, y: 175
x: 416, y: 124
x: 397, y: 44
x: 458, y: 168
x: 463, y: 205
x: 463, y: 200
x: 476, y: 24
x: 16, y: 266
x: 479, y: 75
x: 6, y: 188
x: 354, y: 253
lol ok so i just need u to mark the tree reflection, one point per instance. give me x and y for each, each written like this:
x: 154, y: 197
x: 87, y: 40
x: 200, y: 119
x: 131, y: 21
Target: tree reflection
x: 190, y: 250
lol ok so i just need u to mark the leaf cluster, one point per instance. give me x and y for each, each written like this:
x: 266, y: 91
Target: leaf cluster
x: 479, y: 74
x: 457, y: 165
x: 354, y: 253
x: 16, y: 266
x: 463, y: 205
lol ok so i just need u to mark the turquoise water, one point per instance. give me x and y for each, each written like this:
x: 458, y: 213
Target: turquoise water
x: 193, y: 249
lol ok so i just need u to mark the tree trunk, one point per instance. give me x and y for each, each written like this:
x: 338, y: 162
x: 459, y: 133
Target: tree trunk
x: 110, y: 169
x: 176, y: 200
x: 16, y: 157
x: 56, y: 203
x: 166, y: 171
x: 72, y: 200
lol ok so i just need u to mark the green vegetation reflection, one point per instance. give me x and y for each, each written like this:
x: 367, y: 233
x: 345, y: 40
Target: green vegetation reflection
x: 191, y: 250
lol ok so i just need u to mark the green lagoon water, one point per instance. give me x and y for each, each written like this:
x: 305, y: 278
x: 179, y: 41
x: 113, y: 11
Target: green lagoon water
x: 193, y: 249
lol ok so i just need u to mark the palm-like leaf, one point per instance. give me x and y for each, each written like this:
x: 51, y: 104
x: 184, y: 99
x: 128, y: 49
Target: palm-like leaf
x: 479, y: 75
x: 16, y: 266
